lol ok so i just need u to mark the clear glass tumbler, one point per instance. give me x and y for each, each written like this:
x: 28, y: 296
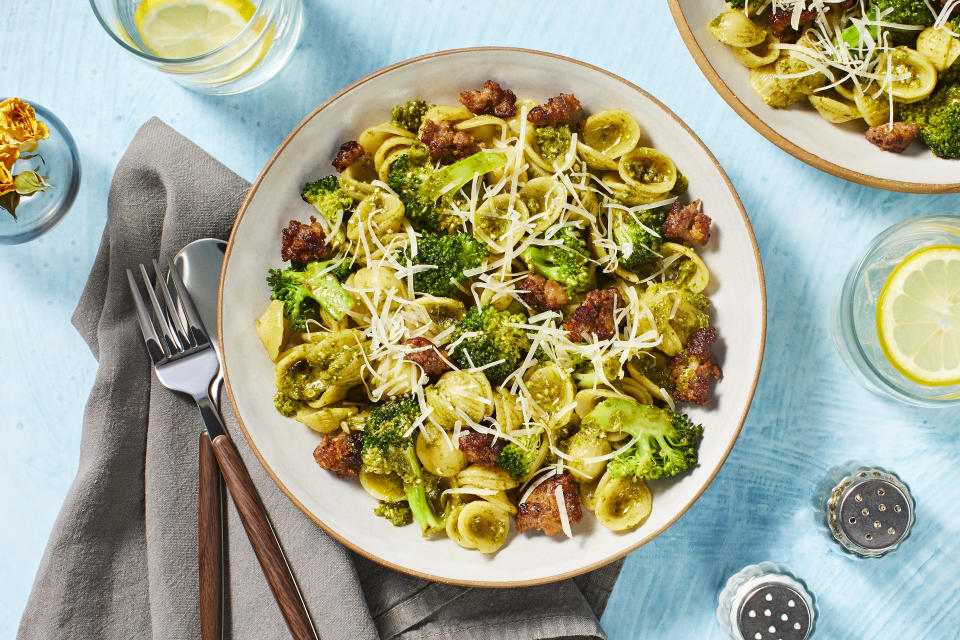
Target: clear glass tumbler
x: 250, y: 58
x: 855, y: 309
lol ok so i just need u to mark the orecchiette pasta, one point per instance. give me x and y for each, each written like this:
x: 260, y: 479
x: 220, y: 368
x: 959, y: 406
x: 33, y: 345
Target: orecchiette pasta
x: 465, y: 311
x: 854, y: 62
x: 621, y: 503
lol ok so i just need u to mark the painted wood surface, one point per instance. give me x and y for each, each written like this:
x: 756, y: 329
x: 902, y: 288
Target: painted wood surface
x: 808, y: 415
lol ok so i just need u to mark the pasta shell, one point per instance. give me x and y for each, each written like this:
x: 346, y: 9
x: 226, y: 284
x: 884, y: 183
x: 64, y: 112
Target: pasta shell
x: 544, y: 199
x: 648, y: 171
x: 735, y: 29
x: 612, y: 133
x: 622, y: 503
x: 760, y: 54
x: 382, y: 486
x: 483, y: 525
x: 272, y: 329
x: 908, y: 76
x: 834, y: 110
x: 437, y: 455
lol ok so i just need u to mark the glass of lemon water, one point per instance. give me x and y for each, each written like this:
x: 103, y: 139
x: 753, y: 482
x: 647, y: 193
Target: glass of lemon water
x: 210, y: 46
x: 897, y: 317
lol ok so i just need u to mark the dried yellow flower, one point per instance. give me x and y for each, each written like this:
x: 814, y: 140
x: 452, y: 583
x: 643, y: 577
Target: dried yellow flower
x: 19, y: 125
x: 8, y: 155
x: 6, y: 180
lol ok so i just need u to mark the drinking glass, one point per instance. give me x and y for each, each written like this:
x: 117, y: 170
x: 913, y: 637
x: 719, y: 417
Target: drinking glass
x: 250, y: 58
x: 855, y: 308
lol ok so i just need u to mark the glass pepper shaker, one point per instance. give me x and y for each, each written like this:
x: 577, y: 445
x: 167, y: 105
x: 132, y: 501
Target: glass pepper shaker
x: 869, y: 510
x: 766, y: 602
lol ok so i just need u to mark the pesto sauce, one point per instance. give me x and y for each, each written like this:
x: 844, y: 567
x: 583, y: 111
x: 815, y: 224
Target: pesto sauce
x: 646, y: 171
x: 553, y: 142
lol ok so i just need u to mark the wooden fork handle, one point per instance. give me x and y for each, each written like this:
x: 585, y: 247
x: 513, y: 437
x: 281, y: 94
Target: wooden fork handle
x: 263, y: 539
x: 210, y: 545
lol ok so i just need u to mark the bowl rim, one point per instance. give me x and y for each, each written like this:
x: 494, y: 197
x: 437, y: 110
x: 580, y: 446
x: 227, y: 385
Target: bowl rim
x: 465, y: 581
x: 798, y: 152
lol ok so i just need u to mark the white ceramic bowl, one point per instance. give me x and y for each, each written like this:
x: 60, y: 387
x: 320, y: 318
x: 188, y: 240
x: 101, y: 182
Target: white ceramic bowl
x: 841, y: 150
x: 285, y: 448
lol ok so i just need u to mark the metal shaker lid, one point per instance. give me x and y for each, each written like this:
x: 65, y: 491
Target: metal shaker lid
x: 870, y: 512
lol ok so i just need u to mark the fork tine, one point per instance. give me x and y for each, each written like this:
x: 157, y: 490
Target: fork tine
x: 154, y: 345
x: 173, y: 316
x: 173, y: 344
x: 197, y: 330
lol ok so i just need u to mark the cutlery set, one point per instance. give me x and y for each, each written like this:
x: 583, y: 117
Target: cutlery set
x: 185, y: 360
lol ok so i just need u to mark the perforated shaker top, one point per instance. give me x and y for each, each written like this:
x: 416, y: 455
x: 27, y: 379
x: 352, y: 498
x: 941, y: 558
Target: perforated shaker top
x: 871, y: 512
x: 774, y: 611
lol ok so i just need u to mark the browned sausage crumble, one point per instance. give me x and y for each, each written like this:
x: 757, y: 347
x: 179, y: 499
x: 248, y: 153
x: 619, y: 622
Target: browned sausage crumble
x: 446, y: 144
x: 431, y: 358
x: 541, y: 512
x: 561, y: 109
x: 542, y: 294
x: 492, y: 100
x: 304, y: 242
x: 340, y: 453
x: 481, y: 448
x: 781, y: 20
x: 595, y: 315
x: 687, y: 223
x: 894, y: 137
x: 690, y: 373
x: 349, y: 153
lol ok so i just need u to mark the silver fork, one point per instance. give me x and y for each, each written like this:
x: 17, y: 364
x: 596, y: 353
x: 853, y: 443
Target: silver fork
x: 184, y: 361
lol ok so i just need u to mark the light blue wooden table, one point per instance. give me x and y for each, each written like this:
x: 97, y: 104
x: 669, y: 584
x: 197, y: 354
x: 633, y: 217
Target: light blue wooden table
x: 808, y: 414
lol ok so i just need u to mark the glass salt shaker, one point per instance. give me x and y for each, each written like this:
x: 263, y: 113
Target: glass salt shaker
x: 766, y: 602
x: 868, y: 510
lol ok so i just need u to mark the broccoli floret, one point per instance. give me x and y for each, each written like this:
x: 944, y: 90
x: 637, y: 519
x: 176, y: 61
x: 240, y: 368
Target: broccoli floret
x: 326, y: 196
x: 906, y: 12
x: 939, y: 120
x: 302, y: 291
x: 407, y: 174
x: 342, y: 270
x: 487, y: 337
x: 553, y: 142
x: 452, y: 255
x: 912, y: 12
x: 640, y: 237
x: 518, y: 457
x: 420, y: 186
x: 567, y: 263
x: 410, y: 114
x: 739, y: 4
x: 666, y: 442
x: 387, y: 449
x: 398, y: 513
x: 589, y: 379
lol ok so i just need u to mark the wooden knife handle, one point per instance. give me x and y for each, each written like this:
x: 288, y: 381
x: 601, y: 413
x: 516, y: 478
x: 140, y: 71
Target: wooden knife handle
x: 263, y: 539
x: 210, y: 550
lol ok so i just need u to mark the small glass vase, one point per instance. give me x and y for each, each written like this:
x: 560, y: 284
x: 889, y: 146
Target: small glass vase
x: 39, y: 212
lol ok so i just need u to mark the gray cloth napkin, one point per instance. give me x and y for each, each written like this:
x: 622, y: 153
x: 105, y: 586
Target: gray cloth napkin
x: 121, y: 562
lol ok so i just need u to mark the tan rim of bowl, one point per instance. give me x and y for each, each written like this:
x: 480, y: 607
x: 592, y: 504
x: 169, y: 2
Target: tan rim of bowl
x: 467, y: 582
x: 767, y: 132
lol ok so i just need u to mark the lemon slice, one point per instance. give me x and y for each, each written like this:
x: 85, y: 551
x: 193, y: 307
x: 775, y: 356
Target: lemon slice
x: 918, y: 316
x: 181, y: 29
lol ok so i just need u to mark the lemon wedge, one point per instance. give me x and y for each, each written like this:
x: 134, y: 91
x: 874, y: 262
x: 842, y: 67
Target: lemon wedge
x: 181, y: 29
x: 918, y: 316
